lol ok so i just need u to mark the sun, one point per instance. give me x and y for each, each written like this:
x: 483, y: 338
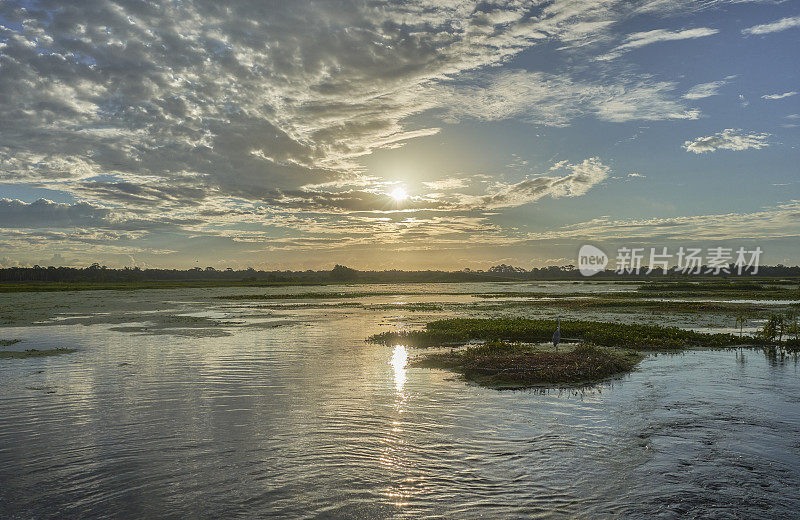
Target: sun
x: 399, y: 194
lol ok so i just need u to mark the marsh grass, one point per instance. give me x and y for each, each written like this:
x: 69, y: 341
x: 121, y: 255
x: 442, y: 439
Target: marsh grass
x: 722, y: 288
x: 8, y: 342
x: 33, y: 353
x: 324, y: 295
x: 457, y: 331
x: 631, y: 305
x: 513, y: 366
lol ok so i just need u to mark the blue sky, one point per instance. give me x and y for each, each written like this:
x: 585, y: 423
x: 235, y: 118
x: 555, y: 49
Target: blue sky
x: 420, y: 134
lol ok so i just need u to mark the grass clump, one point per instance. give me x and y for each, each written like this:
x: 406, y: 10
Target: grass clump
x: 8, y: 342
x: 514, y: 366
x: 458, y: 331
x: 33, y: 353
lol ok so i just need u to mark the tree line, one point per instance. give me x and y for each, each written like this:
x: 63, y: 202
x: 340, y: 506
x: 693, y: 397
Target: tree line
x: 340, y: 273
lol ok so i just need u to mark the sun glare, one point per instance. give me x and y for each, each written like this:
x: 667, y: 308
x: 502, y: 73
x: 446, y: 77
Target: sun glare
x: 399, y: 194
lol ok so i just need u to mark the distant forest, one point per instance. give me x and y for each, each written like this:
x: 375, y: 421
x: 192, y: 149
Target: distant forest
x: 339, y: 274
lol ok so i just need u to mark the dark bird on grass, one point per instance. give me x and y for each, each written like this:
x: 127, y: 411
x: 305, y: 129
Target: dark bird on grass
x: 557, y: 335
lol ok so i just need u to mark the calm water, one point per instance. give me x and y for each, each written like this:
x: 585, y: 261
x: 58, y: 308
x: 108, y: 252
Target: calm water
x: 178, y: 404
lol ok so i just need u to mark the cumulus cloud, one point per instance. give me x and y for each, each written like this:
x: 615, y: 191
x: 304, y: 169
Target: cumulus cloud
x: 776, y: 26
x: 232, y: 102
x: 231, y: 96
x: 640, y: 39
x: 771, y: 97
x: 728, y: 139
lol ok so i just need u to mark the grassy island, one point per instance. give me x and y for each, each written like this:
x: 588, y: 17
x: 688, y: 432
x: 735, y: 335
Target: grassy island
x: 514, y: 366
x: 459, y: 331
x: 514, y: 352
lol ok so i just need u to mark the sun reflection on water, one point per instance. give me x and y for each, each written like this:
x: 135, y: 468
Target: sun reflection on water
x: 399, y: 361
x: 394, y: 454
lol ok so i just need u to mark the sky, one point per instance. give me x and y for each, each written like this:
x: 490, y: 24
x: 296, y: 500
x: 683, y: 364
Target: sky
x: 395, y: 135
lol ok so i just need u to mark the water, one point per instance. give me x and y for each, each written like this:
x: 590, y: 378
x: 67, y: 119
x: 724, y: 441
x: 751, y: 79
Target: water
x: 286, y: 412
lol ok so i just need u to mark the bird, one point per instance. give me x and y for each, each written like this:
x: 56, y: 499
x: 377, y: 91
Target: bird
x: 557, y: 335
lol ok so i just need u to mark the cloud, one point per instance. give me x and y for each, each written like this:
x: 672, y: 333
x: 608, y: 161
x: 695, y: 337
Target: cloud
x: 232, y: 99
x: 704, y: 90
x: 251, y: 121
x: 45, y: 213
x: 779, y: 222
x: 728, y: 139
x: 582, y: 178
x: 578, y: 180
x: 770, y: 97
x: 448, y: 183
x: 232, y: 102
x: 350, y: 201
x: 640, y: 39
x: 133, y: 194
x: 776, y: 26
x: 556, y: 100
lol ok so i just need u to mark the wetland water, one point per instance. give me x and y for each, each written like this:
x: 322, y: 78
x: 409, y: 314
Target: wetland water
x: 180, y: 404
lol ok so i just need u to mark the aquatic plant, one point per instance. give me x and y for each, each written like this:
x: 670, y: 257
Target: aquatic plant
x: 24, y: 354
x: 463, y: 330
x: 792, y: 326
x: 721, y: 288
x: 511, y: 365
x: 713, y: 286
x: 779, y: 324
x: 773, y: 328
x: 741, y: 319
x: 326, y: 295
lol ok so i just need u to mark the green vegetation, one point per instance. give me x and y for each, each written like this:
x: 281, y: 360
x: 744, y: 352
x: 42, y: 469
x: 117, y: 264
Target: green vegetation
x: 737, y: 289
x: 325, y: 295
x: 778, y: 325
x: 715, y: 286
x: 531, y: 294
x: 406, y: 307
x: 511, y: 358
x: 618, y: 304
x: 511, y: 366
x: 33, y: 353
x: 8, y: 342
x: 749, y: 290
x: 644, y: 337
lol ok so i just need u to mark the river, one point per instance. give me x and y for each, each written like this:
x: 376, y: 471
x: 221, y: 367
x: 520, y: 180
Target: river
x: 179, y: 404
